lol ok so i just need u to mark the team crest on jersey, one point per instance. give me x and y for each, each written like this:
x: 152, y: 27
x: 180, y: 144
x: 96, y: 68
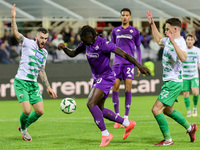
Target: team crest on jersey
x: 131, y: 31
x: 118, y: 30
x: 97, y: 47
x: 107, y: 42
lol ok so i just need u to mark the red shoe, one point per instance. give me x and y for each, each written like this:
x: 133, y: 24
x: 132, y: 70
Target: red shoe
x: 165, y: 143
x: 106, y: 140
x: 116, y: 125
x: 129, y: 129
x: 192, y: 133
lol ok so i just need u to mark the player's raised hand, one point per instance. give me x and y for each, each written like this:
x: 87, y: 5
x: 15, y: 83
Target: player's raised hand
x: 13, y: 11
x: 169, y: 33
x: 61, y: 46
x: 149, y: 17
x: 145, y: 70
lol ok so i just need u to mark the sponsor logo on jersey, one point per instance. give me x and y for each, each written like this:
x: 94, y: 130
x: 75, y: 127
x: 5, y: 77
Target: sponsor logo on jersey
x: 118, y: 30
x: 39, y: 56
x: 93, y: 55
x: 107, y: 42
x: 125, y: 36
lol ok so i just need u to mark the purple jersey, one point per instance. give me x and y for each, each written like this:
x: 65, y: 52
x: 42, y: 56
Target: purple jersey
x: 98, y: 56
x: 126, y: 39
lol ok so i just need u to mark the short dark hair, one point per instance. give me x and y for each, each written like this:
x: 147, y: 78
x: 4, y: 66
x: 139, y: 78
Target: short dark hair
x: 190, y: 35
x: 126, y: 9
x: 174, y: 22
x: 87, y: 30
x: 43, y: 30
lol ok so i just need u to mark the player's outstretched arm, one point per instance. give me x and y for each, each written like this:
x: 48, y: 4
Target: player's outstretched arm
x: 156, y: 34
x: 70, y: 52
x: 45, y: 82
x: 18, y: 36
x: 128, y: 57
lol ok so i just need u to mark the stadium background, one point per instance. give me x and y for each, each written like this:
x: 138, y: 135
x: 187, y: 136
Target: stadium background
x: 64, y: 18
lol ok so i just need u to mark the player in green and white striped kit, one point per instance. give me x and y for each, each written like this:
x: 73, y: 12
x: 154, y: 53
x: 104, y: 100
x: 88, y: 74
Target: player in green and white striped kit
x: 191, y: 75
x: 32, y: 63
x: 174, y: 54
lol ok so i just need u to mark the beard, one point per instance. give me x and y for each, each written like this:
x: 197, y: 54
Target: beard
x: 38, y: 43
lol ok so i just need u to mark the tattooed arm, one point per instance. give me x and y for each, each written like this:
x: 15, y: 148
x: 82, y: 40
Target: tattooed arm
x: 18, y: 36
x: 45, y: 82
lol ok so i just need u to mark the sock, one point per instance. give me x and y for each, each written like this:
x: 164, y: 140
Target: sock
x: 163, y: 124
x: 187, y: 103
x: 125, y: 116
x: 195, y: 100
x: 98, y: 117
x: 23, y: 120
x: 105, y: 133
x: 126, y: 122
x: 110, y: 115
x: 128, y: 96
x: 32, y: 118
x: 178, y: 117
x: 189, y: 129
x: 115, y: 98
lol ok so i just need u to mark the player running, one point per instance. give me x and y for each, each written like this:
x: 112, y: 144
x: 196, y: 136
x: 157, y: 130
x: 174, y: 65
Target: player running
x: 191, y: 75
x: 32, y: 63
x: 174, y: 54
x: 127, y: 38
x: 98, y: 52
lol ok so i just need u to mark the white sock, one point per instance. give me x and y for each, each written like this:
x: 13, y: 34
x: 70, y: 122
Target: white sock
x: 189, y: 112
x: 125, y: 116
x: 126, y: 123
x: 194, y: 108
x: 105, y: 133
x: 189, y: 129
x: 170, y: 140
x: 23, y: 130
x: 117, y: 114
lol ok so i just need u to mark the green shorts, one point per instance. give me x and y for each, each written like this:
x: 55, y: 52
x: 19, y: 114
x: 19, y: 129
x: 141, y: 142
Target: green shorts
x: 27, y: 91
x: 170, y: 92
x: 188, y: 84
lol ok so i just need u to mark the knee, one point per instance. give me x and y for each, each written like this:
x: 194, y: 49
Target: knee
x: 40, y: 112
x: 90, y: 104
x: 154, y: 110
x: 128, y: 89
x: 195, y: 93
x: 27, y: 111
x: 115, y: 89
x: 186, y: 94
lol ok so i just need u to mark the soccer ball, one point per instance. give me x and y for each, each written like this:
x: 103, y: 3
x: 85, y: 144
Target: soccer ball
x: 68, y: 105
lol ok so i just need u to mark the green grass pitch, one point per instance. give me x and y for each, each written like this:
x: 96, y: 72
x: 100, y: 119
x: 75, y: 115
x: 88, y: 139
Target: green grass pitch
x: 77, y: 131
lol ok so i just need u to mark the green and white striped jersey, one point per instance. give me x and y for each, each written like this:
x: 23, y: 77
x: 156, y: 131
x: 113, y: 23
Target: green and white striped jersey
x: 32, y: 59
x: 172, y: 65
x: 190, y: 66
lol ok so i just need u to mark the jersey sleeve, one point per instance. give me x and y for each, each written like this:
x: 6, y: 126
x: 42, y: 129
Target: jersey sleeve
x: 164, y: 40
x: 113, y: 36
x: 26, y: 42
x: 137, y: 38
x: 108, y: 47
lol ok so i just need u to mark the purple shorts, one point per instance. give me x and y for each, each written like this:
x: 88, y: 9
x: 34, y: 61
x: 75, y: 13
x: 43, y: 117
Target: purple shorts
x: 124, y: 71
x: 105, y: 84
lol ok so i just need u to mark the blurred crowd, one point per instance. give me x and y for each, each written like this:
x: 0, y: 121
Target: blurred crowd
x: 10, y: 50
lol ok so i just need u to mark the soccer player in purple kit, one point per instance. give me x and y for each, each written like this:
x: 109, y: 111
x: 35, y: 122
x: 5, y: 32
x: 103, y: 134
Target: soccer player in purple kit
x: 98, y: 52
x: 127, y: 38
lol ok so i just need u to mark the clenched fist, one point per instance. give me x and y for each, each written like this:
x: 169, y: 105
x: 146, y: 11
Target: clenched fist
x: 61, y: 46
